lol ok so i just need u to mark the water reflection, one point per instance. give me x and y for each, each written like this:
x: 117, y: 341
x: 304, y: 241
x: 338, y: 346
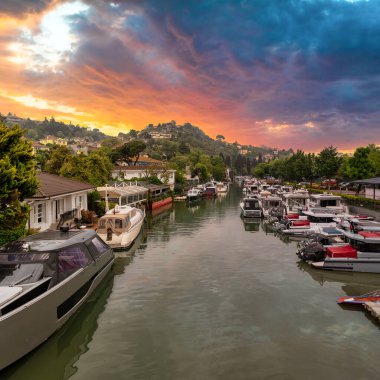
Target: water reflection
x: 57, y: 357
x: 251, y: 224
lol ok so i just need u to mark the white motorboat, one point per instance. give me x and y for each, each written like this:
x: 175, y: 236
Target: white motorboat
x: 269, y: 202
x: 250, y: 208
x: 328, y: 201
x: 194, y: 194
x: 361, y: 254
x: 221, y: 187
x: 120, y: 226
x: 309, y: 222
x: 44, y: 279
x: 296, y: 201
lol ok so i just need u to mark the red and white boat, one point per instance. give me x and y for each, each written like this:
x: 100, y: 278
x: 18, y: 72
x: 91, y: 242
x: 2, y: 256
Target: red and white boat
x: 361, y: 254
x: 373, y: 296
x: 309, y: 222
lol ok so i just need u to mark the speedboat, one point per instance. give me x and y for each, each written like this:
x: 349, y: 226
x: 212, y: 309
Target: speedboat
x: 360, y: 254
x: 120, y: 226
x: 250, y: 208
x: 357, y: 222
x: 44, y: 279
x: 306, y: 223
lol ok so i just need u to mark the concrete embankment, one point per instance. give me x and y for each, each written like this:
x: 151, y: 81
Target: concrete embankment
x: 357, y: 210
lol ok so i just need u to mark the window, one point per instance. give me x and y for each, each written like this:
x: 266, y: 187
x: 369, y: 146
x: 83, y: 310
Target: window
x: 118, y: 223
x: 98, y: 247
x: 79, y: 202
x: 71, y: 259
x: 39, y: 213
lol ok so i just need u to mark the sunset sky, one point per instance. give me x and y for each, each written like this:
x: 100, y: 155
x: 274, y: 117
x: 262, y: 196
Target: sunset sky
x: 282, y: 73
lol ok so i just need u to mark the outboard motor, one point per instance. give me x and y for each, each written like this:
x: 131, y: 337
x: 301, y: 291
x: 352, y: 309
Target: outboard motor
x: 312, y: 251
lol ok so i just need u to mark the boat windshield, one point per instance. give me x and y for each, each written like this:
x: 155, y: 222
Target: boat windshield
x: 329, y: 202
x: 364, y: 246
x: 21, y: 268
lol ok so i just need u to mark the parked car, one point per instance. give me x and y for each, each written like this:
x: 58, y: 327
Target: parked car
x: 344, y: 185
x: 329, y: 183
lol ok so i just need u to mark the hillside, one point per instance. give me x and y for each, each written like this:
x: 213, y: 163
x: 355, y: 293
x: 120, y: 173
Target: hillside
x: 36, y: 130
x: 169, y: 137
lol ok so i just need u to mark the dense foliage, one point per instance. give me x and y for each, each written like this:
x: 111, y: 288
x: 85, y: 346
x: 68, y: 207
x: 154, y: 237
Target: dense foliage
x: 95, y: 168
x: 17, y: 181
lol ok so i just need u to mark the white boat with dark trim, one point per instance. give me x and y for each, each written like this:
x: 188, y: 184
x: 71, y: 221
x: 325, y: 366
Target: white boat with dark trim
x: 44, y: 279
x: 120, y: 226
x: 221, y: 187
x: 306, y: 223
x: 296, y: 201
x: 328, y: 201
x: 361, y: 254
x: 269, y: 202
x: 250, y: 208
x: 194, y: 194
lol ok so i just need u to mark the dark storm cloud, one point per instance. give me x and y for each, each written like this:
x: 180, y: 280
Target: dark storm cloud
x: 17, y: 8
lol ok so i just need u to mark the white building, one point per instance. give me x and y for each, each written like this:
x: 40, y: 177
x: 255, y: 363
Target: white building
x: 56, y: 197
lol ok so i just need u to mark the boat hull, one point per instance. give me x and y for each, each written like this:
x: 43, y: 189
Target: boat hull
x: 29, y: 325
x: 349, y: 265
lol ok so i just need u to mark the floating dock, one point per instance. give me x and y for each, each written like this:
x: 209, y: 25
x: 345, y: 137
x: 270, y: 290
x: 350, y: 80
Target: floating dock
x: 373, y: 308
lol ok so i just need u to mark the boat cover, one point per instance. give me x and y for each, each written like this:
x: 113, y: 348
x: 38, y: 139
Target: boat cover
x: 370, y: 234
x: 300, y: 223
x: 8, y: 292
x: 345, y: 251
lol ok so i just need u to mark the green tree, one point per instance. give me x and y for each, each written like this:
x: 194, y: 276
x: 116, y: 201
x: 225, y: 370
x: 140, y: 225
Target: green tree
x: 360, y: 165
x: 328, y: 163
x: 374, y: 157
x: 95, y: 168
x: 261, y: 170
x: 130, y: 150
x: 17, y: 181
x: 59, y: 155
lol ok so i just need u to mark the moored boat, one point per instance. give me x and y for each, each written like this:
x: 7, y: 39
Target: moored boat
x: 194, y: 194
x: 250, y: 208
x: 120, y: 226
x: 373, y: 296
x: 360, y: 254
x: 44, y: 279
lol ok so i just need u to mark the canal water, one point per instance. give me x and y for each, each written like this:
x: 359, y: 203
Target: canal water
x: 205, y: 295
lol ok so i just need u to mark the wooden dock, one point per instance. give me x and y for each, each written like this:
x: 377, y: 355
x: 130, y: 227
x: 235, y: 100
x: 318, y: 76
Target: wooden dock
x: 373, y: 308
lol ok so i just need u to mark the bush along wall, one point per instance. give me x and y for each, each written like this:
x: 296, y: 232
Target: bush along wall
x: 7, y: 236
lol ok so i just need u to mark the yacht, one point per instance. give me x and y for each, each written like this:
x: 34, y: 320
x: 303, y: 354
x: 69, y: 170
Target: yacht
x: 120, y: 226
x: 44, y: 279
